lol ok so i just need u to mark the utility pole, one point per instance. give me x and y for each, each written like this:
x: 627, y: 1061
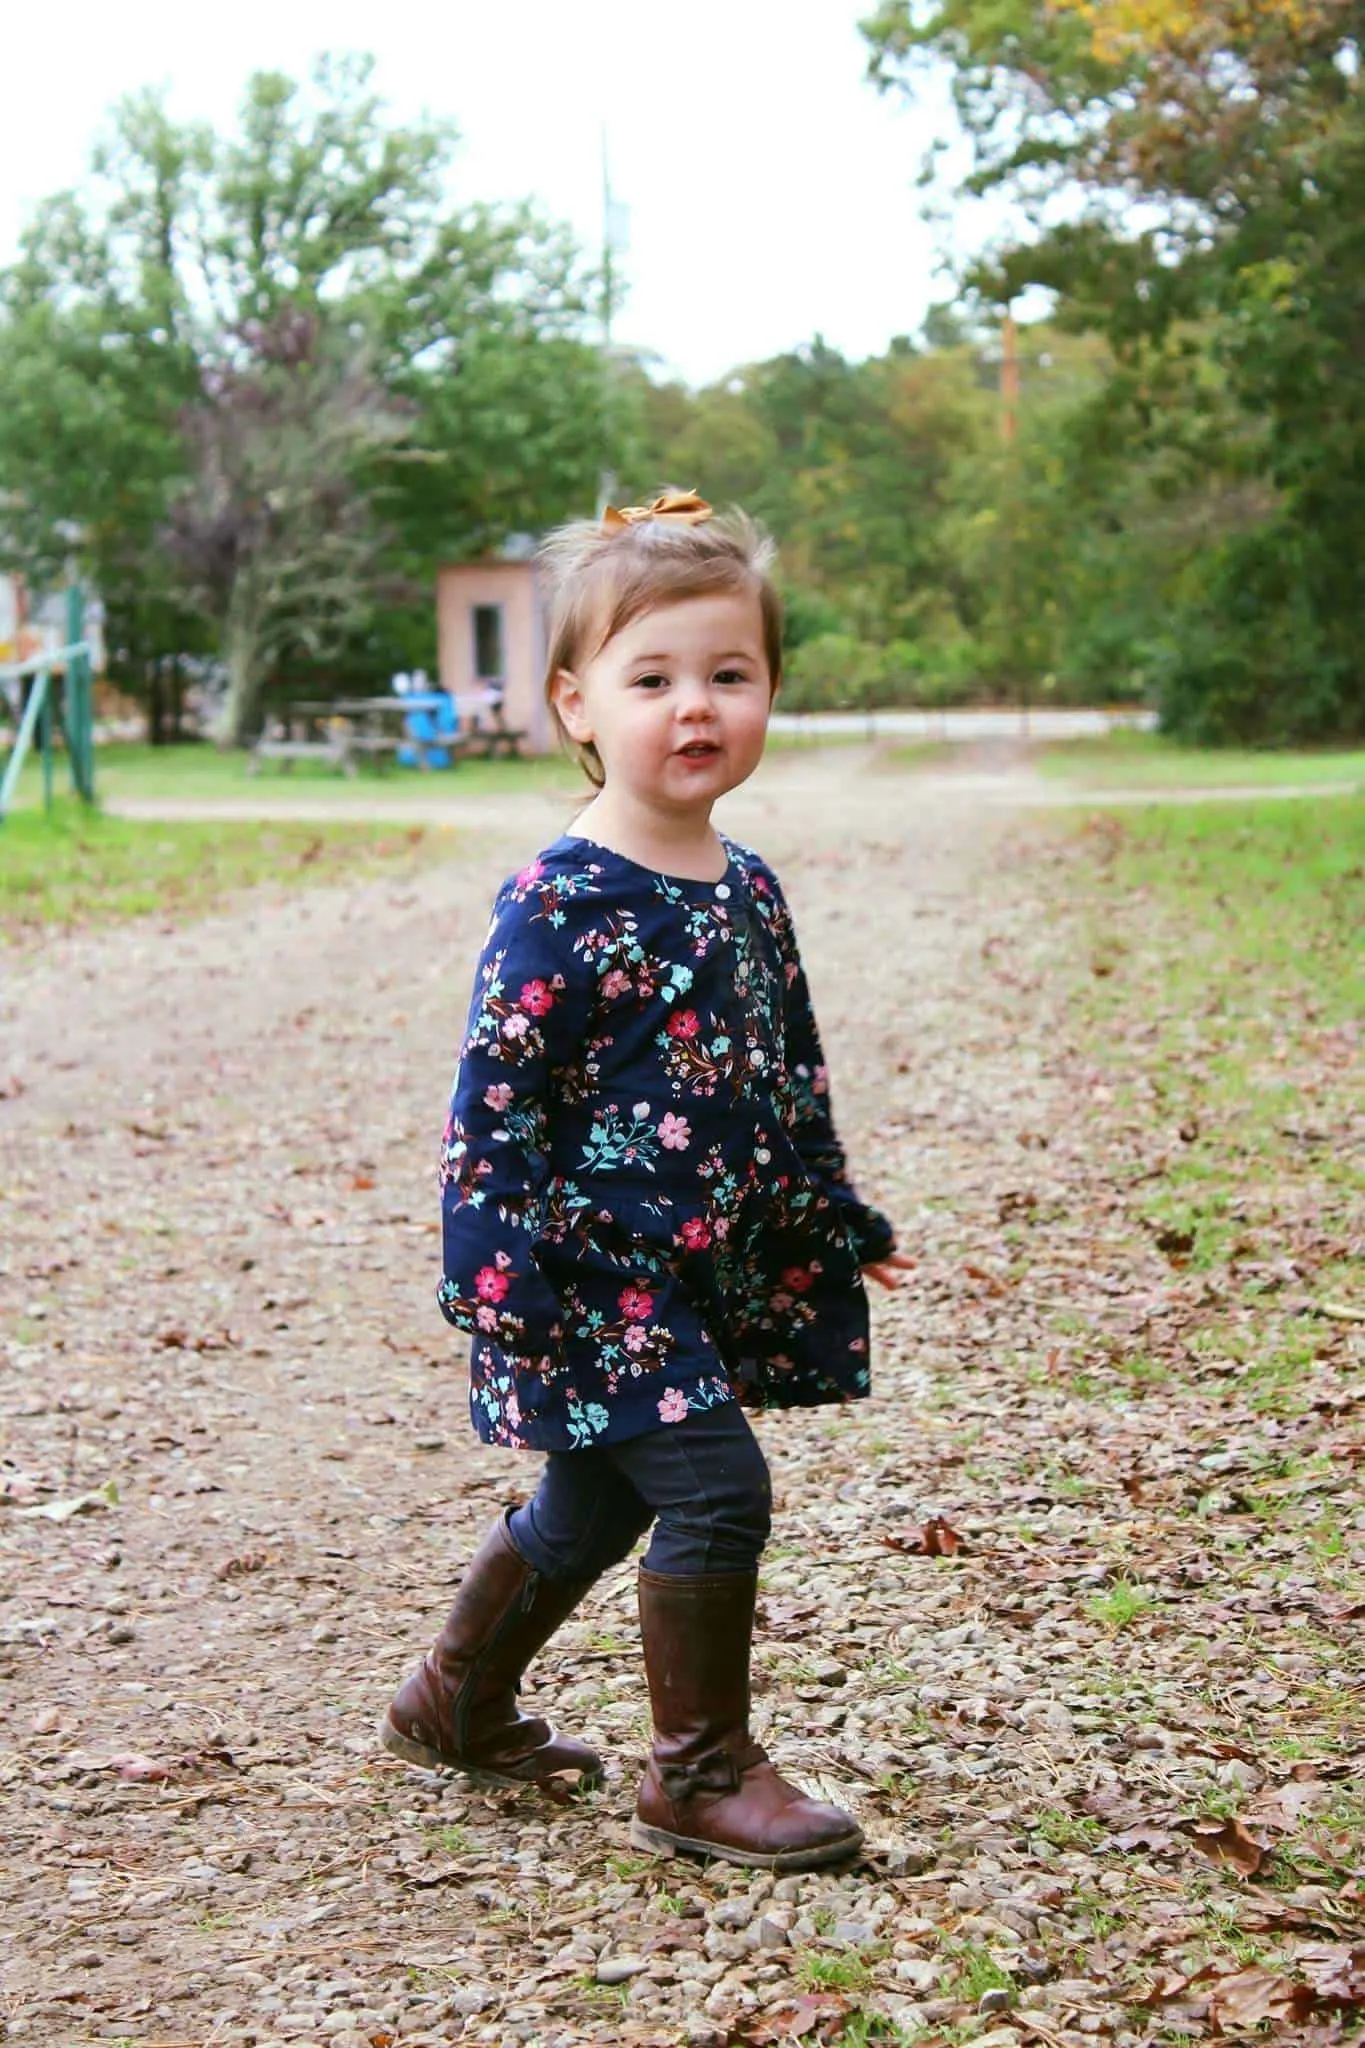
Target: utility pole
x: 606, y: 487
x: 1009, y: 429
x: 608, y: 236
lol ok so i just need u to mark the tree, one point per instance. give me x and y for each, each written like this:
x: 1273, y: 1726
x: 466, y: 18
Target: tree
x: 128, y: 368
x: 276, y: 543
x: 1212, y: 160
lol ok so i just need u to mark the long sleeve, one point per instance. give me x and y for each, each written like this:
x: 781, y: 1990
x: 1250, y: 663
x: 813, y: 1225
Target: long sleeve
x: 526, y: 1023
x: 872, y: 1235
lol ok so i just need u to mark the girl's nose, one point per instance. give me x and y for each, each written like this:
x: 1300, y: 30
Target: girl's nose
x: 693, y: 701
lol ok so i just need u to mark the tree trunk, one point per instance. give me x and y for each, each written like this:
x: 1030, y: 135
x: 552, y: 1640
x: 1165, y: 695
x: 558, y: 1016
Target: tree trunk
x: 238, y: 716
x: 156, y: 726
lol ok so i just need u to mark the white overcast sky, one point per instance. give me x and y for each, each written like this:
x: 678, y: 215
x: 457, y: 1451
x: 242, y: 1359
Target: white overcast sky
x: 771, y: 189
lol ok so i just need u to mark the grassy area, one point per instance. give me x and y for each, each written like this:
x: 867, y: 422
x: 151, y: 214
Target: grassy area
x: 1140, y: 760
x: 130, y: 772
x: 79, y: 867
x: 1223, y: 987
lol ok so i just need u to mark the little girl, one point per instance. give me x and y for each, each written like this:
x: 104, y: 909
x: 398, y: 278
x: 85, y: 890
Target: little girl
x: 648, y: 1222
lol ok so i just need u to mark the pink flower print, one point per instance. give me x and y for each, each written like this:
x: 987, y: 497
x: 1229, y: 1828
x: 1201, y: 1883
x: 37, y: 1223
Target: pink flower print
x: 684, y: 1024
x: 696, y: 1233
x: 798, y: 1279
x: 635, y: 1304
x: 515, y: 1026
x: 498, y: 1096
x: 511, y: 1409
x: 635, y: 1338
x: 615, y: 984
x: 819, y: 1081
x: 503, y: 1261
x: 674, y: 1133
x: 528, y: 877
x: 486, y: 1316
x: 490, y: 1284
x: 782, y: 1301
x: 673, y: 1406
x: 536, y: 998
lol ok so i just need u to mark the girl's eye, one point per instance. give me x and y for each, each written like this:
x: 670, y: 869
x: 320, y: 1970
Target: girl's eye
x: 731, y: 675
x: 651, y: 682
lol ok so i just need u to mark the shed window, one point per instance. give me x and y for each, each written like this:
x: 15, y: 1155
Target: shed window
x: 489, y: 666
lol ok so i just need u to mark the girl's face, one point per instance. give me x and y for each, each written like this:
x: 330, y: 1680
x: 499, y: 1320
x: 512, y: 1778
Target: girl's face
x: 677, y: 702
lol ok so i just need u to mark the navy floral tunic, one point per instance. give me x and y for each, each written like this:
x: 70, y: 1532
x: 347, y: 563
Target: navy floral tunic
x: 646, y: 1210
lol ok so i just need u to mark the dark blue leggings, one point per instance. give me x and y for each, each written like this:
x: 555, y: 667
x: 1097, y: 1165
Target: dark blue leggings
x: 703, y: 1483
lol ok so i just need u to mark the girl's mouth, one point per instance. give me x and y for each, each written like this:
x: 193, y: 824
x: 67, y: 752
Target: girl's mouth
x: 698, y: 750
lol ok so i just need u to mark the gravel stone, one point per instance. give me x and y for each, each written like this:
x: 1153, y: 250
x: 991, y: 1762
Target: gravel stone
x: 620, y: 1969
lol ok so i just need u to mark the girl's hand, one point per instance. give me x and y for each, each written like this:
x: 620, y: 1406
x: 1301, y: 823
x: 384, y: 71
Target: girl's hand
x: 886, y: 1272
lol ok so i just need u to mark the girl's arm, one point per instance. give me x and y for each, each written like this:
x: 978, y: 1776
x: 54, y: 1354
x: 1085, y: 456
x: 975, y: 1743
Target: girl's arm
x: 872, y: 1235
x: 526, y: 1021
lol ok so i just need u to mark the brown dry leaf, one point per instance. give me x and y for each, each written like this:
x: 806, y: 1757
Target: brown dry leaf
x: 1336, y: 1974
x: 1154, y: 1840
x: 1253, y: 1996
x: 1225, y: 1841
x: 246, y: 1561
x: 1172, y: 1984
x: 799, y: 2019
x: 937, y: 1538
x: 140, y: 1770
x: 1283, y: 1808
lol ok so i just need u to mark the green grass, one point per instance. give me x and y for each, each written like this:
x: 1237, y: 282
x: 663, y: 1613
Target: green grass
x: 1215, y: 982
x: 129, y: 772
x: 1139, y: 760
x: 1120, y: 1605
x: 78, y: 867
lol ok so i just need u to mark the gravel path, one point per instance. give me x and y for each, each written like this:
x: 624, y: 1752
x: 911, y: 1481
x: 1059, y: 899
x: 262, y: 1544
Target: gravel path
x: 219, y: 1252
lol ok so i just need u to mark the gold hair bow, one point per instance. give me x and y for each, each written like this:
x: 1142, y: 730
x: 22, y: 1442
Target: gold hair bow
x: 683, y: 505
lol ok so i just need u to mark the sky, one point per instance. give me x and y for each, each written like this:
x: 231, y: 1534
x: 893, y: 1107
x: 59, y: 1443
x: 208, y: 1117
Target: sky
x: 771, y: 190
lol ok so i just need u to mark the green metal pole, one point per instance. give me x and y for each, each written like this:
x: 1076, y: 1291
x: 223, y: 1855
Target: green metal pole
x: 44, y: 683
x: 80, y: 721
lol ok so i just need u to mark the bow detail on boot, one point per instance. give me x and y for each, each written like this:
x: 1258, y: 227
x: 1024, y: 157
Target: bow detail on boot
x: 709, y: 1787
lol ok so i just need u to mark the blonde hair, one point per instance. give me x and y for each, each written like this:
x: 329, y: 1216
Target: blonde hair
x: 601, y: 581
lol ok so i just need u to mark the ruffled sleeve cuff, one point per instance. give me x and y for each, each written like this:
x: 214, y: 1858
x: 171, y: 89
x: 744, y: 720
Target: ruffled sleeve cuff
x: 872, y: 1235
x: 491, y: 1286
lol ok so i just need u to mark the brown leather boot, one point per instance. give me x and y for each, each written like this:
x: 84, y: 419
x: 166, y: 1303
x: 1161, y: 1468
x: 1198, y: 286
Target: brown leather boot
x: 709, y: 1786
x: 458, y: 1711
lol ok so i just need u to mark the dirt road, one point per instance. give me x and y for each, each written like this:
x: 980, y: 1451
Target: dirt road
x: 220, y: 1250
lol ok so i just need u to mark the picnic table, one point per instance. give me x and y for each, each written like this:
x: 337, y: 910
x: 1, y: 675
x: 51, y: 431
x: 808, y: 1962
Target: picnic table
x: 347, y: 731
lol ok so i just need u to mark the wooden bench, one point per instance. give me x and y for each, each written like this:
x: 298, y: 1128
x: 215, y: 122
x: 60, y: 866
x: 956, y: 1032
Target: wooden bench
x: 483, y: 729
x: 341, y: 734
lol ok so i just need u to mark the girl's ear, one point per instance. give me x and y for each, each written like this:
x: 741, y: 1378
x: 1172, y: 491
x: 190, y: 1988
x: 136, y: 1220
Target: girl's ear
x: 566, y: 694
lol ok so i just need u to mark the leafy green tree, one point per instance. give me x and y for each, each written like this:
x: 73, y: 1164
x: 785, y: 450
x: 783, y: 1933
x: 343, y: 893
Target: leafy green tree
x: 126, y: 360
x: 1228, y: 299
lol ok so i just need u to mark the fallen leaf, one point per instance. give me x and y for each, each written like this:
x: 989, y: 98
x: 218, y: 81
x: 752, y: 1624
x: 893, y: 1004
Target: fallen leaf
x: 1253, y: 1996
x: 139, y: 1770
x: 937, y: 1538
x: 798, y: 2019
x: 247, y: 1561
x: 1336, y: 1974
x: 1154, y: 1840
x: 1225, y: 1841
x: 105, y: 1496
